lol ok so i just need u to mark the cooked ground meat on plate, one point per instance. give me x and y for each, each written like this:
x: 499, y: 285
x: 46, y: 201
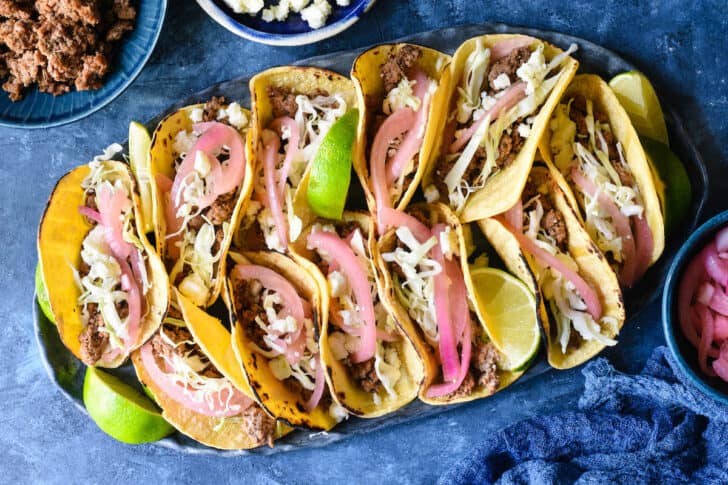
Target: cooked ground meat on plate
x: 58, y: 45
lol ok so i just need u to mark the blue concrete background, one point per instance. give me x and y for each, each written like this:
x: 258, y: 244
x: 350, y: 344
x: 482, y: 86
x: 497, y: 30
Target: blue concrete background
x: 682, y: 46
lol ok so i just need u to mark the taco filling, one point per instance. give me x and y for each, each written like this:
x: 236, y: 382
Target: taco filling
x: 288, y: 145
x: 586, y: 151
x: 199, y: 202
x: 181, y: 370
x: 279, y: 327
x: 362, y: 334
x: 499, y: 96
x: 541, y: 230
x: 112, y: 275
x: 430, y: 284
x: 401, y: 120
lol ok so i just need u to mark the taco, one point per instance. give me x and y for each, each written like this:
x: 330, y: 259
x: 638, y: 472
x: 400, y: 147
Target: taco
x: 203, y: 178
x: 293, y: 109
x: 106, y: 285
x: 372, y: 367
x: 500, y: 95
x: 425, y: 287
x: 542, y: 241
x: 191, y: 371
x: 275, y: 312
x: 400, y: 87
x: 599, y: 160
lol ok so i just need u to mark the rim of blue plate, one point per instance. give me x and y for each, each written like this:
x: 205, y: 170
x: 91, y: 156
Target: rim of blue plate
x: 99, y: 99
x: 682, y: 351
x: 285, y: 40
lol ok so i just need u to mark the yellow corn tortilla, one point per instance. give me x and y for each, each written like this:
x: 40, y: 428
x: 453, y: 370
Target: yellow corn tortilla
x: 163, y: 159
x: 60, y: 238
x: 593, y: 267
x: 370, y: 92
x: 503, y: 187
x: 438, y: 212
x: 595, y: 89
x: 215, y: 342
x: 273, y: 395
x: 344, y: 388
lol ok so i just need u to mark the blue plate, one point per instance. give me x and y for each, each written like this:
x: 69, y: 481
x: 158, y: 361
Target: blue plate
x: 684, y: 353
x: 291, y: 32
x: 42, y: 110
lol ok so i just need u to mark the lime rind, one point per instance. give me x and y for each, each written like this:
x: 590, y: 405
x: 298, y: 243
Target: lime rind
x: 330, y: 177
x: 639, y: 99
x: 41, y: 293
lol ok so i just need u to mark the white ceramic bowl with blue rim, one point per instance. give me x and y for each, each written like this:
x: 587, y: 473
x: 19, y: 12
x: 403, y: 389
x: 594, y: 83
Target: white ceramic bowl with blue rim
x: 293, y: 31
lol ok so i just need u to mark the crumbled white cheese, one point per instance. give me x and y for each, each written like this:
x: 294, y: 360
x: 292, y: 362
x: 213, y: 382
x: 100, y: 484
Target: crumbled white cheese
x: 431, y: 193
x: 183, y: 142
x: 202, y: 164
x: 524, y: 130
x: 534, y: 70
x: 501, y: 82
x: 338, y: 412
x: 246, y: 6
x: 337, y: 283
x: 401, y: 96
x: 196, y: 115
x: 316, y: 13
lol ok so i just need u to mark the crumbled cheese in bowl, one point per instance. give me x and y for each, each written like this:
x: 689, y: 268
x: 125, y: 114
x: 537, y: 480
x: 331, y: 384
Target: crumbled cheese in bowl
x: 314, y: 12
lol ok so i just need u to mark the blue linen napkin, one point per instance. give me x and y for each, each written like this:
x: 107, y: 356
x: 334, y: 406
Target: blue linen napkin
x: 647, y: 428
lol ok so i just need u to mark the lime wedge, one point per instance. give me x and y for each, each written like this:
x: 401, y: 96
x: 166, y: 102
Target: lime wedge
x: 140, y: 160
x: 330, y: 176
x: 671, y: 180
x: 510, y: 308
x: 638, y: 97
x: 42, y: 295
x: 121, y: 411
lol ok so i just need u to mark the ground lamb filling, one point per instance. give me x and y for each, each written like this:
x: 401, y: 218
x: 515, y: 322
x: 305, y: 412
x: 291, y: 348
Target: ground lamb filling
x: 219, y: 213
x: 393, y: 71
x: 583, y: 113
x: 313, y: 113
x: 255, y: 422
x: 250, y: 311
x: 364, y: 374
x: 483, y: 373
x: 95, y: 338
x: 60, y: 44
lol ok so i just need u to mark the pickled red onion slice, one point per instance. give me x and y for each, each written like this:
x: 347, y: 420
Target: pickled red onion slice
x: 721, y: 240
x: 272, y: 144
x: 90, y: 213
x: 397, y: 123
x: 413, y: 140
x: 291, y: 148
x: 644, y: 245
x: 716, y: 267
x: 586, y: 292
x: 111, y: 209
x: 514, y: 216
x: 396, y: 218
x: 706, y: 338
x: 224, y: 403
x: 134, y: 302
x: 504, y: 47
x: 446, y: 388
x: 319, y: 385
x: 357, y: 277
x: 290, y: 300
x: 447, y: 340
x: 627, y: 276
x: 511, y: 96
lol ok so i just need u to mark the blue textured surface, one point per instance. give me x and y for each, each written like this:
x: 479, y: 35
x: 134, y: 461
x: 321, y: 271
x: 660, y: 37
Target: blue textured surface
x: 680, y: 45
x: 42, y: 110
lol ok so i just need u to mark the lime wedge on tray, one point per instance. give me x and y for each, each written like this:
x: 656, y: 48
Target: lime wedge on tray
x: 638, y: 97
x: 120, y: 411
x: 511, y: 308
x: 328, y: 184
x: 671, y: 180
x: 42, y: 295
x: 140, y: 160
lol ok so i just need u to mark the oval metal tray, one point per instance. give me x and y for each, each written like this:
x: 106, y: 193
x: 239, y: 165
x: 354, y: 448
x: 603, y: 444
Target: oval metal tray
x: 67, y: 372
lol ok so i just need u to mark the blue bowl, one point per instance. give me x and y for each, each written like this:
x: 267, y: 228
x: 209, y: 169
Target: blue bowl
x: 42, y: 110
x: 293, y: 31
x: 684, y: 353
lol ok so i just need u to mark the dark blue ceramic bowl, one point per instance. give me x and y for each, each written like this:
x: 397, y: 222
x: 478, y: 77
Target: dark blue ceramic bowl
x: 684, y: 353
x: 291, y: 32
x: 41, y: 110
